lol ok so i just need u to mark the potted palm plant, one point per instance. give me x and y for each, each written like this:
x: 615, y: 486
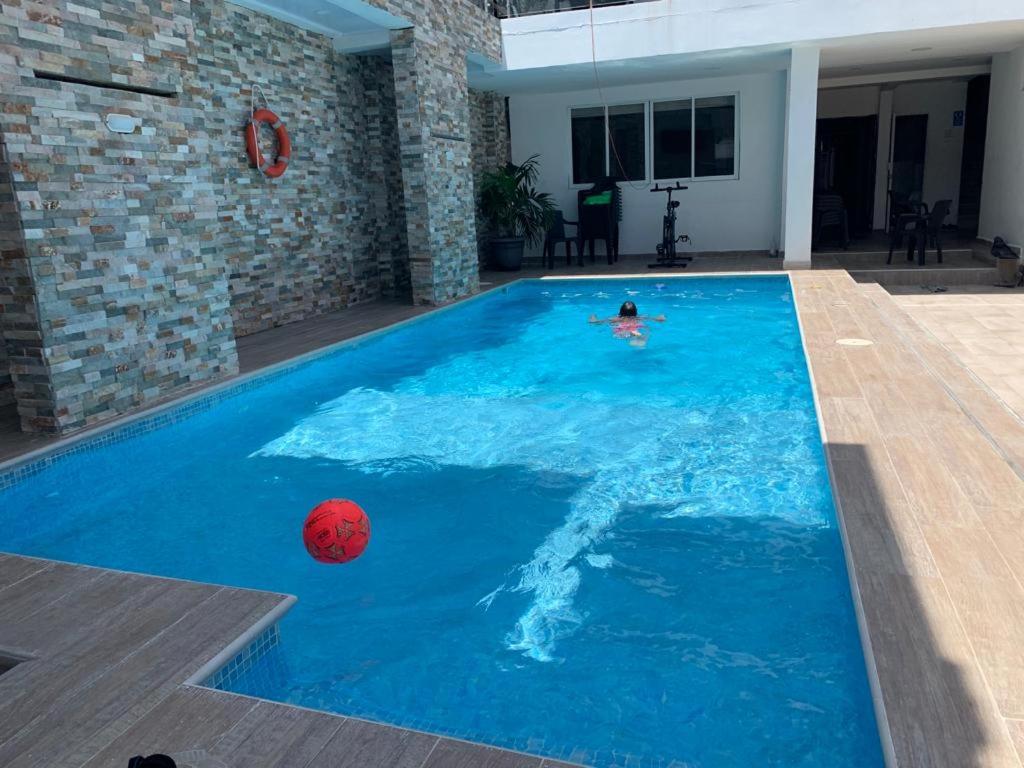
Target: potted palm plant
x: 517, y: 212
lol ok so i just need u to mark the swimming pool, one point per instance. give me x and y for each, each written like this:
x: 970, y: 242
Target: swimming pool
x: 582, y: 549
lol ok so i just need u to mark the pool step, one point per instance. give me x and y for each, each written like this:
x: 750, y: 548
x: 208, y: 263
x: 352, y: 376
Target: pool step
x: 935, y: 276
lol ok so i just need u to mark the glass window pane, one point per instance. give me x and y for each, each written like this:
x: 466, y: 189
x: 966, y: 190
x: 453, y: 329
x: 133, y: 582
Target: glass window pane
x: 715, y: 137
x: 627, y: 142
x: 587, y: 145
x: 672, y: 129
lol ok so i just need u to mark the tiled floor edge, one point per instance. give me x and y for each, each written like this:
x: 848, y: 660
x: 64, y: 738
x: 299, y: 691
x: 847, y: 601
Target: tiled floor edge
x: 439, y: 736
x: 874, y: 682
x: 49, y: 561
x: 654, y: 274
x: 242, y: 644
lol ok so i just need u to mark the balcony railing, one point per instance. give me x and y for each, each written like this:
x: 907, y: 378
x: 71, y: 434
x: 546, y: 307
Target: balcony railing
x: 509, y: 8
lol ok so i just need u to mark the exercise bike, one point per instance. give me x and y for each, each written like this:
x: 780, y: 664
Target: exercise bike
x: 667, y: 256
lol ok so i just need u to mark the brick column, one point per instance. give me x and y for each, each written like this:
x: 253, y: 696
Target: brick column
x: 432, y: 103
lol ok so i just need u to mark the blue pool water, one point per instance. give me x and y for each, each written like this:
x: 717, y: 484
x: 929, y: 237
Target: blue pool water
x: 616, y: 555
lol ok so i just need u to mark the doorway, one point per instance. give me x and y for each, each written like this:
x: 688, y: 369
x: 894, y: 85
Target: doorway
x: 973, y: 163
x: 910, y: 137
x: 845, y: 166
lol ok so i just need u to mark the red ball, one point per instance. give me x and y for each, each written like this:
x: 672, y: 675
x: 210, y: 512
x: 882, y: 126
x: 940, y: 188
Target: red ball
x: 336, y: 531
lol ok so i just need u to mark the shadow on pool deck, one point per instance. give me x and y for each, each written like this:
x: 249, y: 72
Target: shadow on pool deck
x: 938, y: 709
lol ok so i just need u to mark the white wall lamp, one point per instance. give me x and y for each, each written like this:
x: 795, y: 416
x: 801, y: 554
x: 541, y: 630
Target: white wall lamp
x: 122, y: 123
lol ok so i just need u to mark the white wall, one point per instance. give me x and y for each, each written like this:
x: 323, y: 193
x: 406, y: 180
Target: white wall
x: 720, y: 215
x: 945, y: 144
x: 1002, y: 193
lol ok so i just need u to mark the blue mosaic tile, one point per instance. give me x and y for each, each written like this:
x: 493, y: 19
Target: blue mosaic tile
x: 231, y: 676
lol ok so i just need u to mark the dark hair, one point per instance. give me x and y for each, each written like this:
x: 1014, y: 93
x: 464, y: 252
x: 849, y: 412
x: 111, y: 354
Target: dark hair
x: 628, y: 309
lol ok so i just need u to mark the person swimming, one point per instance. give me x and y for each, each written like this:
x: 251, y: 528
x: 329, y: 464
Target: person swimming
x: 629, y: 324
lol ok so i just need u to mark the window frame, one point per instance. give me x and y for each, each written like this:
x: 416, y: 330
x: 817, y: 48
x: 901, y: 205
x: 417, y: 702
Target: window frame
x: 692, y: 178
x: 646, y: 104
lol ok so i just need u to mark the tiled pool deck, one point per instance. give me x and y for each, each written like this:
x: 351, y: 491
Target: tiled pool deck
x: 928, y: 470
x: 109, y: 654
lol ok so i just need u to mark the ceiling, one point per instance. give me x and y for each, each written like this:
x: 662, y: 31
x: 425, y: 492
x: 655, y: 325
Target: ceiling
x: 354, y: 26
x: 900, y: 53
x: 930, y: 48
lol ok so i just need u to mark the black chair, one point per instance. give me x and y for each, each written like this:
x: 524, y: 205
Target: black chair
x: 929, y: 231
x: 904, y: 214
x: 600, y: 222
x: 830, y: 216
x: 556, y: 234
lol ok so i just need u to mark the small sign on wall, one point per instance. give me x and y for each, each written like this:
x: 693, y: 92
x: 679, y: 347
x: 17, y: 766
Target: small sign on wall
x: 958, y: 119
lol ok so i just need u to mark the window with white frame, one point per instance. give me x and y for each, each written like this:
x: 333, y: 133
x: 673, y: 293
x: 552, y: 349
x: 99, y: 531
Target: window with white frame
x: 609, y: 142
x: 627, y: 142
x: 694, y: 138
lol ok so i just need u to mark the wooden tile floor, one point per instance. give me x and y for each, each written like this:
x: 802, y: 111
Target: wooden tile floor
x: 106, y: 656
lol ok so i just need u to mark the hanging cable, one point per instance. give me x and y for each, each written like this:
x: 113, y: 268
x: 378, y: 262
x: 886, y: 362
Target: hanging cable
x: 604, y: 102
x: 252, y: 120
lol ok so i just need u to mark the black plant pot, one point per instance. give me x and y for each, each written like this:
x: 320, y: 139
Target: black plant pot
x: 507, y: 253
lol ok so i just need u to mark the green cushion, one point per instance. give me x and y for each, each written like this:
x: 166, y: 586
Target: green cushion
x: 604, y: 198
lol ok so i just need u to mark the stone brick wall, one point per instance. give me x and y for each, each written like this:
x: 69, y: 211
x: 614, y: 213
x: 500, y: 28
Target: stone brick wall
x: 304, y: 243
x: 489, y: 141
x: 129, y: 262
x: 20, y: 338
x: 131, y: 294
x: 385, y: 166
x: 373, y: 179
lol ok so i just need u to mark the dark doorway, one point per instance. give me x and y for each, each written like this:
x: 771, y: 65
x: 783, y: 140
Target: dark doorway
x: 973, y: 164
x: 910, y: 138
x: 845, y: 166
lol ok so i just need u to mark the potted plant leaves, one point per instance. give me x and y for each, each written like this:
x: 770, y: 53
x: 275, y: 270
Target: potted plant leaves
x: 517, y: 212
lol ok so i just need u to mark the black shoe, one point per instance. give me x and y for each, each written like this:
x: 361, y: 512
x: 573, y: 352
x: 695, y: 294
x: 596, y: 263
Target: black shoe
x: 153, y: 761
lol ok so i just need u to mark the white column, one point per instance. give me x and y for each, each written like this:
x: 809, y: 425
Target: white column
x: 798, y: 156
x: 882, y: 159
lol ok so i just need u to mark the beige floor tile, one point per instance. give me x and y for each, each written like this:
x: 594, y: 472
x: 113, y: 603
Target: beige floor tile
x: 846, y: 419
x: 1016, y: 728
x: 977, y: 466
x: 989, y: 602
x: 926, y: 481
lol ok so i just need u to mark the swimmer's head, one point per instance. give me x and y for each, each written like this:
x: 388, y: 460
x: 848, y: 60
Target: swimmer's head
x: 628, y: 309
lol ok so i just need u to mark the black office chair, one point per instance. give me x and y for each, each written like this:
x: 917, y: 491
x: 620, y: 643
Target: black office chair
x: 556, y: 234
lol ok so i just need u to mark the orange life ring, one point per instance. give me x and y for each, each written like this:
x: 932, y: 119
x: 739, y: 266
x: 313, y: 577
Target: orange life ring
x: 284, y: 144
